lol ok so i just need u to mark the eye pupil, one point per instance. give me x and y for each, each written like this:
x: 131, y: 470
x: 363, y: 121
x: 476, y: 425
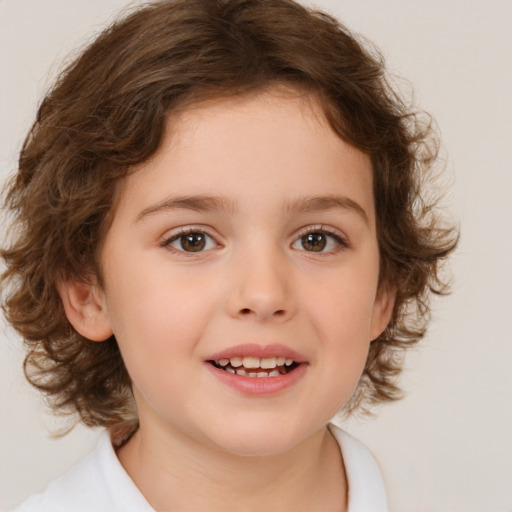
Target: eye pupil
x: 193, y: 242
x: 314, y: 242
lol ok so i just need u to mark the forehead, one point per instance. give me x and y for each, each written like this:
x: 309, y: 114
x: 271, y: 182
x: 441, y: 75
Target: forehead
x: 274, y: 145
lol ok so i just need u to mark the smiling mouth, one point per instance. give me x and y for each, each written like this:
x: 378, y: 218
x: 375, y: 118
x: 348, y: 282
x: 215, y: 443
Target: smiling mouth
x: 256, y: 366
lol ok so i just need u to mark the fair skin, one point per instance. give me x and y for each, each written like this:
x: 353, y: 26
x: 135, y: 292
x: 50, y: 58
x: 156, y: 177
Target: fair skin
x: 284, y: 266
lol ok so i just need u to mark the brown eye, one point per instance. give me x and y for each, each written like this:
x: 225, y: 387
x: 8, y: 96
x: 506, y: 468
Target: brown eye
x: 193, y: 241
x: 321, y: 241
x: 315, y: 242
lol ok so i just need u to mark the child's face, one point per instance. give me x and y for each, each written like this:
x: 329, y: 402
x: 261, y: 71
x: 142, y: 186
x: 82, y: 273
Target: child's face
x: 279, y: 258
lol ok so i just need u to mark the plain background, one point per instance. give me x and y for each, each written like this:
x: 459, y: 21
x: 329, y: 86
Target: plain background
x: 448, y: 445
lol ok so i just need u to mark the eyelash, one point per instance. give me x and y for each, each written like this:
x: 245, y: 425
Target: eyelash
x: 341, y: 241
x: 182, y: 232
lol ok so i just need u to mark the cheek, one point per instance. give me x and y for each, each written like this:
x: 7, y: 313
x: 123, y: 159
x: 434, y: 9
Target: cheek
x: 346, y: 344
x: 157, y: 328
x: 159, y: 302
x: 342, y: 306
x: 160, y: 316
x: 342, y: 318
x: 344, y: 332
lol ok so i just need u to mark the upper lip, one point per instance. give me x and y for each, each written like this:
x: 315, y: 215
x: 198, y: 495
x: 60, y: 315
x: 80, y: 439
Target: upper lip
x: 256, y: 350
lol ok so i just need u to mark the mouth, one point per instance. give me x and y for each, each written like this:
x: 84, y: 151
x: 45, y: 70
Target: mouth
x: 256, y: 367
x: 258, y: 370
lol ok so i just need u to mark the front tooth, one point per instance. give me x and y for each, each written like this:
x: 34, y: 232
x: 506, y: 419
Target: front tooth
x: 275, y: 373
x: 223, y: 362
x: 288, y: 362
x: 280, y: 361
x: 262, y: 374
x: 236, y: 362
x: 252, y: 374
x: 268, y: 362
x: 251, y: 362
x: 242, y: 372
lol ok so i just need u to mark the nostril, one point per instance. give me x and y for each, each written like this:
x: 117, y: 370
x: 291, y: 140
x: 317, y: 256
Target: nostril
x: 277, y: 314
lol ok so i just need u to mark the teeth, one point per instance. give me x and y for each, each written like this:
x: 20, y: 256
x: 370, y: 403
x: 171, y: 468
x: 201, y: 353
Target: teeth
x: 244, y: 363
x: 243, y: 373
x: 251, y: 362
x: 265, y: 362
x: 268, y: 362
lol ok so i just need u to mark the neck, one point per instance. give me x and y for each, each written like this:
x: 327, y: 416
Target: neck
x: 179, y: 473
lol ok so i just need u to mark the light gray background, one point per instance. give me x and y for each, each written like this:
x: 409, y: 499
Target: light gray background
x: 448, y: 445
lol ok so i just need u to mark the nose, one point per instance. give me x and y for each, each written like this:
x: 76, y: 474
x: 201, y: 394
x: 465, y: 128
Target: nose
x: 261, y: 288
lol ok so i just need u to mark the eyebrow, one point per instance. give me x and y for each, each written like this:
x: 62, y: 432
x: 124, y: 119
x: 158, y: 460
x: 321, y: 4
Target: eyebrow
x: 205, y: 204
x: 320, y: 203
x: 197, y: 203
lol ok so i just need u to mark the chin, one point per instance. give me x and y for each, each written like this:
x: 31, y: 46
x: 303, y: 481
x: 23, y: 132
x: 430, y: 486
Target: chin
x: 257, y: 440
x: 258, y: 447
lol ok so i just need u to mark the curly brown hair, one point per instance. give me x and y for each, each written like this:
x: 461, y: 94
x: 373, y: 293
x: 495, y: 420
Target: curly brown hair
x: 107, y: 113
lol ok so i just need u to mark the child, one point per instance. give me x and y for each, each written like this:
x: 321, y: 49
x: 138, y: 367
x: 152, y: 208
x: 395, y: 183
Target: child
x: 221, y: 243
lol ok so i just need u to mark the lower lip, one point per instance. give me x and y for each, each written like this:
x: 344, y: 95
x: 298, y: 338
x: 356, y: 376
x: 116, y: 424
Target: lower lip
x: 258, y: 386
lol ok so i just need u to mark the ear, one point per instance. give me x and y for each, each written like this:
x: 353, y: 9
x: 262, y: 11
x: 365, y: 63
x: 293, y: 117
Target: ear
x: 382, y: 310
x: 85, y: 307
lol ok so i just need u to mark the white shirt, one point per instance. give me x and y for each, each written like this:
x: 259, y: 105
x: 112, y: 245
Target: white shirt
x: 100, y: 484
